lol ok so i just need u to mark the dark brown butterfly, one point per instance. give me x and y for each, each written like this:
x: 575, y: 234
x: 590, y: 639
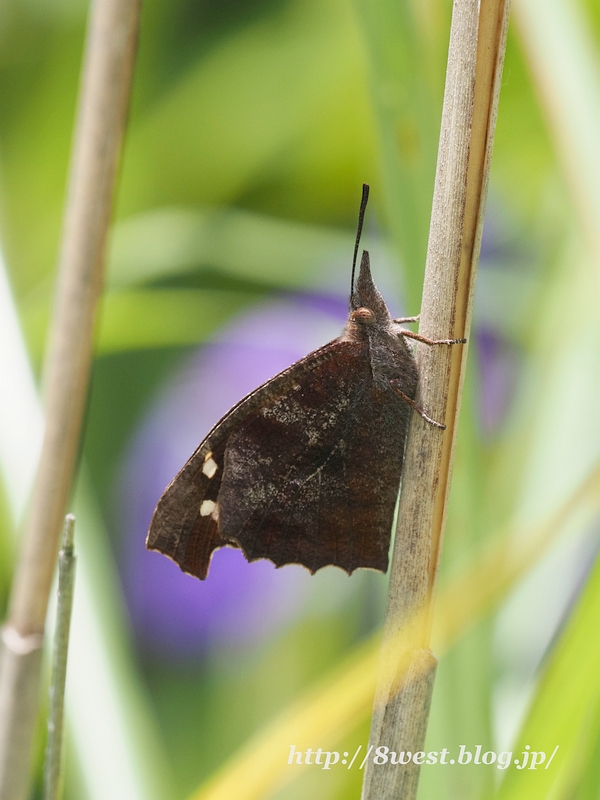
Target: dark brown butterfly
x: 305, y: 469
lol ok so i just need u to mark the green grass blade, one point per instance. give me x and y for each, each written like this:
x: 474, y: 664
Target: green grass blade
x: 565, y: 710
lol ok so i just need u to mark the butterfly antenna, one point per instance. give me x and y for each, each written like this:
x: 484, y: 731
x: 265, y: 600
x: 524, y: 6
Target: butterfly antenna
x: 361, y: 219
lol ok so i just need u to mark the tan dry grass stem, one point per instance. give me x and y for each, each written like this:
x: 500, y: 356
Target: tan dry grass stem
x: 102, y: 113
x: 473, y: 78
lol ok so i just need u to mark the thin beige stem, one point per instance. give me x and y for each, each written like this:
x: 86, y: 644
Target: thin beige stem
x: 104, y: 99
x: 475, y: 59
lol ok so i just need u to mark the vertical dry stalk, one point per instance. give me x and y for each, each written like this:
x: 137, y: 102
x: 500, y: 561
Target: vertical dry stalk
x: 475, y: 59
x: 103, y: 104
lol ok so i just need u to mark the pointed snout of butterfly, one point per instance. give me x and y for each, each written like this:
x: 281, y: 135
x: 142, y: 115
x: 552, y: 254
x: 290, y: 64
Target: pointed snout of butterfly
x: 367, y: 294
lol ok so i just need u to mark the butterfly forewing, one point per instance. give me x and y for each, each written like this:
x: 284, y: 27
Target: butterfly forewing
x: 184, y: 526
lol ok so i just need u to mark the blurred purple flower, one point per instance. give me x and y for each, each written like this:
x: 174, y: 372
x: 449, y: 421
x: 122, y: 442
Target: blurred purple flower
x: 498, y: 368
x: 504, y: 275
x: 172, y: 613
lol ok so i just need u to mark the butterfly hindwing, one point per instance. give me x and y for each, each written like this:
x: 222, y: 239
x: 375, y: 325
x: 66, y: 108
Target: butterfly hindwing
x: 298, y: 483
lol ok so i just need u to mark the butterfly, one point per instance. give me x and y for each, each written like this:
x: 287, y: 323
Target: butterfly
x: 306, y: 468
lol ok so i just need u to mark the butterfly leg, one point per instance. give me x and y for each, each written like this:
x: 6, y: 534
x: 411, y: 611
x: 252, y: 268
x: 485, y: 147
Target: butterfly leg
x: 400, y: 320
x: 412, y: 403
x: 430, y: 342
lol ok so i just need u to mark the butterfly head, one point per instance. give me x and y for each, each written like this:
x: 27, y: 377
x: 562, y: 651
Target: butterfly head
x: 368, y: 306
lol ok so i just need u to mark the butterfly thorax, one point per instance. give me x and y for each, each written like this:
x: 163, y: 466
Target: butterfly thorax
x: 383, y: 345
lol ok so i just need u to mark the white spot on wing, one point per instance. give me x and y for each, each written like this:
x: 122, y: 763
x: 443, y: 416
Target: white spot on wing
x: 207, y: 507
x: 210, y: 466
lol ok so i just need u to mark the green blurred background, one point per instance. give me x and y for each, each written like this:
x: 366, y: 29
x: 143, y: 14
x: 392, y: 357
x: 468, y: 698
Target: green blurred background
x: 253, y: 125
